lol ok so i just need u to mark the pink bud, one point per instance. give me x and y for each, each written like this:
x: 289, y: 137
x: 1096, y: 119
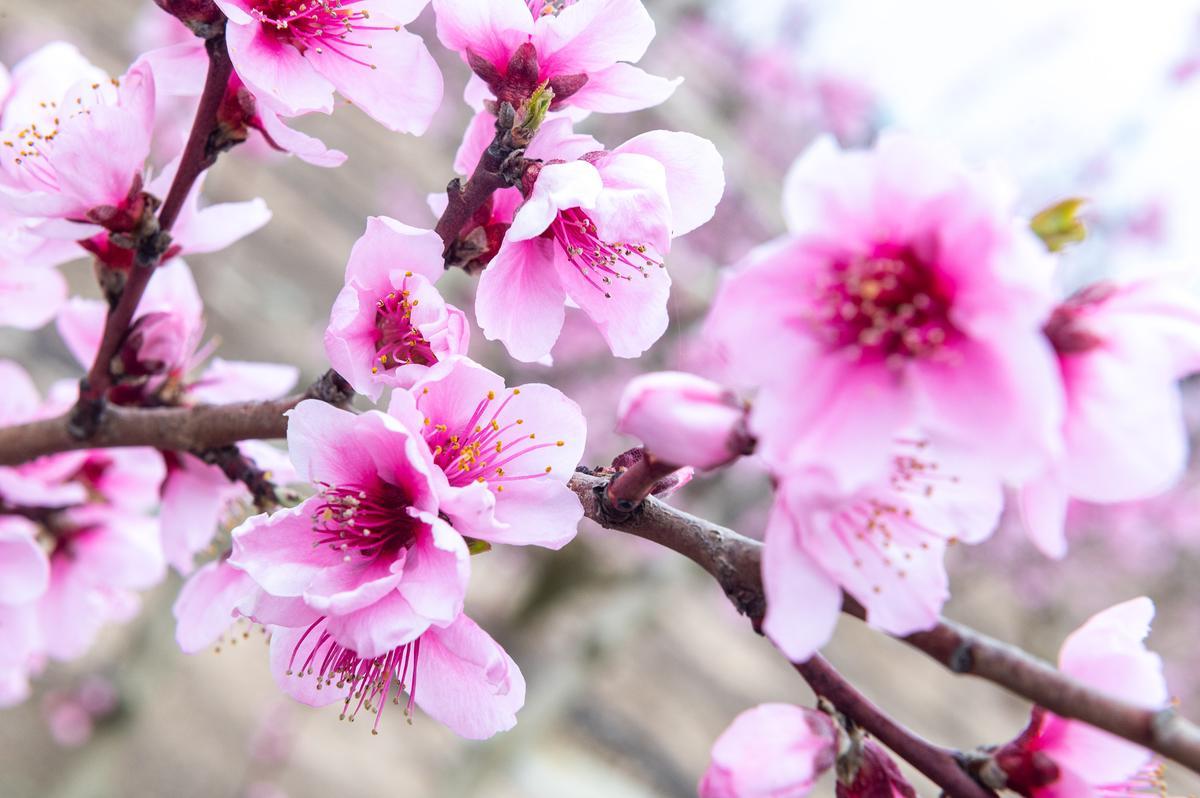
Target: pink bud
x: 771, y: 751
x: 684, y: 419
x: 871, y: 773
x: 158, y: 342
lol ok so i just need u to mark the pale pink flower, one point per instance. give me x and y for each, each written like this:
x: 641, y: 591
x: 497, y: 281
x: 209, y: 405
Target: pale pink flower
x: 293, y: 54
x: 209, y: 602
x: 455, y: 673
x: 771, y: 751
x: 501, y: 457
x: 370, y: 550
x: 882, y: 544
x: 593, y: 231
x: 389, y: 324
x: 684, y: 419
x: 80, y: 157
x: 1122, y: 347
x: 583, y: 49
x: 31, y: 290
x: 1060, y: 758
x: 906, y: 294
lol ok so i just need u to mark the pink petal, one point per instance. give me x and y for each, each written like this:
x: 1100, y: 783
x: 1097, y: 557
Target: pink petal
x: 402, y: 87
x: 467, y: 681
x: 226, y: 381
x: 353, y: 584
x: 436, y: 572
x: 621, y: 88
x: 323, y: 446
x: 559, y: 186
x: 29, y: 296
x: 307, y: 148
x: 277, y: 550
x: 389, y: 246
x: 193, y: 499
x: 520, y: 301
x: 290, y: 649
x: 275, y: 71
x: 694, y: 171
x: 592, y: 35
x: 377, y: 629
x: 205, y: 608
x: 19, y: 400
x: 492, y: 29
x: 1043, y: 508
x: 24, y: 568
x: 803, y: 602
x: 536, y: 512
x: 81, y: 324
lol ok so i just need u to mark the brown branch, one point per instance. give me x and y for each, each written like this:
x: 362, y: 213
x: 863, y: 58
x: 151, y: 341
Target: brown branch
x: 939, y: 764
x: 628, y: 489
x: 153, y: 241
x: 732, y: 559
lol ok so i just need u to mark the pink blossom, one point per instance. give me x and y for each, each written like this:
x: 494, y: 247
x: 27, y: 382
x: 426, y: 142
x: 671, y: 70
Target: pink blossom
x: 594, y: 230
x: 771, y: 751
x: 163, y: 348
x: 389, y: 324
x: 31, y: 290
x: 882, y: 544
x: 684, y: 419
x: 80, y: 157
x: 906, y: 294
x: 583, y: 49
x: 1060, y: 758
x: 209, y: 602
x: 293, y: 54
x: 1122, y: 347
x: 456, y: 673
x: 501, y: 456
x: 370, y: 550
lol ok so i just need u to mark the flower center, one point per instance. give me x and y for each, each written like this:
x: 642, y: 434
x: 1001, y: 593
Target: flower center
x: 323, y: 25
x: 368, y: 520
x: 597, y: 260
x: 888, y: 307
x: 368, y: 682
x: 31, y: 144
x: 479, y: 450
x: 397, y: 341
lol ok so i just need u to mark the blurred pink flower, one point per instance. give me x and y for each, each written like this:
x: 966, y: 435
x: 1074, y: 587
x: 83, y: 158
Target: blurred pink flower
x: 389, y: 324
x: 1059, y: 758
x: 883, y: 545
x: 209, y: 602
x: 456, y: 673
x: 501, y: 456
x: 592, y: 230
x: 293, y: 54
x: 583, y: 49
x: 1122, y: 347
x: 906, y: 294
x: 684, y: 419
x: 771, y: 751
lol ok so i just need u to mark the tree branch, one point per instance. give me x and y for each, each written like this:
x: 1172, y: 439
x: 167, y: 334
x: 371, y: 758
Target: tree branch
x: 153, y: 242
x: 939, y: 764
x: 732, y: 559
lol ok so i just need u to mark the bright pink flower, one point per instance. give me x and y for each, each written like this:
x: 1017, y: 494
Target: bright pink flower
x: 771, y: 751
x: 584, y: 49
x: 1059, y: 758
x: 906, y: 294
x: 389, y: 324
x: 1122, y: 347
x: 684, y: 419
x: 594, y: 231
x: 80, y: 156
x: 875, y: 775
x: 501, y: 457
x: 456, y: 673
x: 293, y: 54
x: 882, y: 544
x: 370, y: 550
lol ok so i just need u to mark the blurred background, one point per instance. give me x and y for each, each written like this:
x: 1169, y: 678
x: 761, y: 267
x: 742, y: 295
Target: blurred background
x: 634, y: 660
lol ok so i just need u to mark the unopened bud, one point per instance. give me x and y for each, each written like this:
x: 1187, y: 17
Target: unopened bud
x: 685, y: 419
x: 156, y: 343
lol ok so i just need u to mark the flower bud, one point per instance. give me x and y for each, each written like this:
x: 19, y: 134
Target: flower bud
x: 867, y: 771
x: 684, y: 419
x: 156, y: 343
x: 771, y: 751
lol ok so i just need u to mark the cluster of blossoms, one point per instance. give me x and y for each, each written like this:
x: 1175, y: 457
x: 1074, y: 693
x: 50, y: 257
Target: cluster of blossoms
x: 909, y: 355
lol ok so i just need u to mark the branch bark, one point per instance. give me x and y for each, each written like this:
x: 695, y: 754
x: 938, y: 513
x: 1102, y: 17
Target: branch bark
x: 197, y: 156
x: 732, y: 559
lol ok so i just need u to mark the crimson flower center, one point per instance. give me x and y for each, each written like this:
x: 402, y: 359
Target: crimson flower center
x: 397, y: 341
x: 322, y: 25
x: 597, y: 260
x: 370, y: 520
x: 890, y: 307
x: 482, y: 449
